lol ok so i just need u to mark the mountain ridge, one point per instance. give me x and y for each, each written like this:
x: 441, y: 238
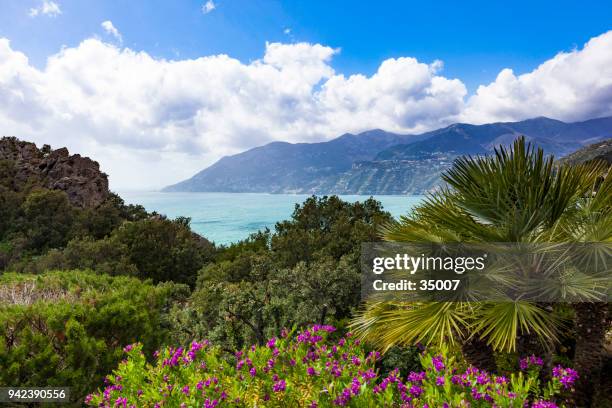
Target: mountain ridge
x: 381, y: 162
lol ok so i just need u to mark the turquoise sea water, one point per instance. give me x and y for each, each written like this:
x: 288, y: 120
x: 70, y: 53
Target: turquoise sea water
x: 229, y: 217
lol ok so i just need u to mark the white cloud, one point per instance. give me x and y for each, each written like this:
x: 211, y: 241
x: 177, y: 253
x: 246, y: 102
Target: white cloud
x: 111, y: 29
x: 287, y: 31
x: 151, y: 121
x: 570, y: 86
x: 47, y: 8
x: 208, y: 6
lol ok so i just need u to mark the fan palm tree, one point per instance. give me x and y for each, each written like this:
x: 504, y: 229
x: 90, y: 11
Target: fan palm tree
x: 514, y: 196
x: 590, y: 220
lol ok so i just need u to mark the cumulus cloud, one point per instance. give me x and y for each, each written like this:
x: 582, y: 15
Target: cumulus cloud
x: 111, y: 30
x: 47, y: 8
x: 167, y: 119
x: 571, y: 86
x: 208, y: 6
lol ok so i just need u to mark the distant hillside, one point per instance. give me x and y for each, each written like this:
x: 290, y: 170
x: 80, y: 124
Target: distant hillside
x: 555, y: 137
x: 597, y: 151
x: 284, y: 167
x: 379, y: 162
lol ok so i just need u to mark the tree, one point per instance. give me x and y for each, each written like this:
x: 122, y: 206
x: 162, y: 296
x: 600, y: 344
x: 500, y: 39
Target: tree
x: 322, y: 290
x: 590, y: 221
x: 326, y: 226
x: 514, y: 196
x: 48, y: 219
x: 164, y: 250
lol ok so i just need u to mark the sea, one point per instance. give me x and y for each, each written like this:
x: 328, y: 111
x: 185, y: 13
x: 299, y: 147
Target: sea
x: 230, y: 217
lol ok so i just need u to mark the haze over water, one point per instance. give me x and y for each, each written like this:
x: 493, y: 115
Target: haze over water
x: 230, y: 217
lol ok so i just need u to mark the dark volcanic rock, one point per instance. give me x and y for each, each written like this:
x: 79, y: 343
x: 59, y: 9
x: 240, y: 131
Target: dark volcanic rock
x: 80, y: 177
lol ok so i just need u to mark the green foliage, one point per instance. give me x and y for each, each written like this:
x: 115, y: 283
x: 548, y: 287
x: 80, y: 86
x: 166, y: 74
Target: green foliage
x: 164, y: 250
x: 100, y: 222
x: 402, y: 359
x: 244, y: 312
x: 152, y: 248
x: 67, y: 328
x: 104, y: 256
x: 327, y: 226
x: 48, y: 219
x: 307, y: 271
x: 36, y: 221
x: 515, y: 196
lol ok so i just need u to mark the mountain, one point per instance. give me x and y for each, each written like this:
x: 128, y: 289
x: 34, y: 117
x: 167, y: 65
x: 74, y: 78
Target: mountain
x: 285, y: 167
x: 379, y: 162
x: 555, y: 137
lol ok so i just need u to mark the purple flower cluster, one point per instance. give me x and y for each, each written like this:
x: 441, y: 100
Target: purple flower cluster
x: 544, y: 404
x: 566, y: 376
x: 530, y: 361
x: 309, y: 368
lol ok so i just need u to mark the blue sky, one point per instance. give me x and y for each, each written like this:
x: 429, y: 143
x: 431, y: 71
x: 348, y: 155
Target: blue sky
x: 475, y: 39
x: 183, y: 83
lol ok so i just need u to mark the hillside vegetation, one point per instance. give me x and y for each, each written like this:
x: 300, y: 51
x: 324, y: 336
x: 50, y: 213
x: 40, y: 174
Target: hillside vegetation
x: 82, y: 283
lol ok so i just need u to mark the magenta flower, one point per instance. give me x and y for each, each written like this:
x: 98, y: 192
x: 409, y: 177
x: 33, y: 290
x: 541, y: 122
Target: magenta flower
x: 416, y: 390
x: 416, y: 377
x: 271, y: 343
x: 355, y: 386
x: 529, y: 361
x: 566, y: 376
x: 438, y: 363
x: 279, y: 386
x: 121, y: 402
x: 544, y: 404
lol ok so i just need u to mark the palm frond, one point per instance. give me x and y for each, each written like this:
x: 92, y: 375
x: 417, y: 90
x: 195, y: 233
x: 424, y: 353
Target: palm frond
x: 500, y: 324
x: 386, y: 324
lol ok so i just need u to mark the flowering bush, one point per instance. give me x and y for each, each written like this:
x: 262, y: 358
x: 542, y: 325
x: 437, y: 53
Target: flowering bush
x: 310, y: 370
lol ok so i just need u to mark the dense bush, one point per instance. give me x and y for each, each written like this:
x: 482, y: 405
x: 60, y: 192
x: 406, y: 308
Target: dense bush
x: 35, y: 220
x: 248, y: 311
x: 66, y: 328
x: 327, y: 226
x: 306, y: 271
x: 312, y: 370
x: 48, y: 219
x: 164, y: 250
x: 103, y: 256
x: 154, y: 248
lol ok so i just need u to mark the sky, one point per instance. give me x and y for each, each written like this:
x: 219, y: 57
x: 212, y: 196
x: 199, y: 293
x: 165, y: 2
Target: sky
x: 158, y: 90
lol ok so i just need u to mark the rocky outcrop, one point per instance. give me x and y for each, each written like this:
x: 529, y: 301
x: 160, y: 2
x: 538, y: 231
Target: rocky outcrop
x: 80, y: 177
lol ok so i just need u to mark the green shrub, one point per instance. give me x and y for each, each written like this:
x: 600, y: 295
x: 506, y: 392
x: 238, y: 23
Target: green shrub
x: 67, y: 328
x: 164, y: 250
x: 48, y: 219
